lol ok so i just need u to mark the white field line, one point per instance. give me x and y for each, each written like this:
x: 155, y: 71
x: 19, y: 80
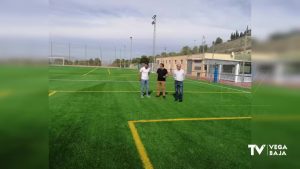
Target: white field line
x: 90, y: 71
x: 51, y: 93
x: 91, y: 66
x: 137, y: 91
x: 116, y: 81
x: 220, y: 86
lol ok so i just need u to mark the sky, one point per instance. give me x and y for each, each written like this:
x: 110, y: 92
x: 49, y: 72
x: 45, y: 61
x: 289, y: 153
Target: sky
x: 101, y: 25
x: 179, y: 23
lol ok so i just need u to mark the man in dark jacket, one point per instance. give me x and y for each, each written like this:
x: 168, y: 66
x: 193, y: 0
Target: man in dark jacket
x: 161, y: 80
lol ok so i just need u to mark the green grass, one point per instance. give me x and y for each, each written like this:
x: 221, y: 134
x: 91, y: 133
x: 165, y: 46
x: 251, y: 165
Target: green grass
x: 90, y: 130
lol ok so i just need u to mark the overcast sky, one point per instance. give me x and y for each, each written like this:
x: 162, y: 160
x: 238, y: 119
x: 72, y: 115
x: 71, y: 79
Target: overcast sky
x: 109, y: 24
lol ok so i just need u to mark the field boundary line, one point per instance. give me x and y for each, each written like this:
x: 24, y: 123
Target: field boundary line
x: 83, y: 80
x: 219, y: 86
x: 95, y: 80
x: 96, y: 91
x: 108, y: 71
x: 135, y: 91
x: 90, y: 71
x: 140, y: 146
x: 52, y: 93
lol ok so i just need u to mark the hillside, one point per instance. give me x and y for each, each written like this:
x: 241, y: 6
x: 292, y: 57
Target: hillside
x: 237, y: 45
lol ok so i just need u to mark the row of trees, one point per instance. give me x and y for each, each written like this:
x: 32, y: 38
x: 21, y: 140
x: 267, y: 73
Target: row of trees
x: 121, y: 63
x: 127, y: 62
x: 236, y: 34
x: 185, y: 50
x: 90, y: 62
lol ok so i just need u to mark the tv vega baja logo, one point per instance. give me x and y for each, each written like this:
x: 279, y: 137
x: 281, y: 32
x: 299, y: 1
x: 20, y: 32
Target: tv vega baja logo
x: 269, y: 149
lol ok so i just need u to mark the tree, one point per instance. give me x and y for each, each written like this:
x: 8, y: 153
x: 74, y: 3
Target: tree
x: 164, y: 54
x: 231, y: 36
x: 144, y: 59
x: 135, y: 60
x: 219, y: 40
x: 203, y: 48
x: 241, y: 34
x: 247, y: 30
x: 195, y: 50
x: 97, y: 62
x: 172, y: 54
x: 237, y: 35
x: 91, y: 61
x: 186, y: 50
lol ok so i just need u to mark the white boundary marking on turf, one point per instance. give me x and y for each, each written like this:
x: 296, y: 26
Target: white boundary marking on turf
x: 135, y: 81
x: 52, y: 93
x: 87, y: 80
x: 90, y: 71
x: 71, y: 80
x: 137, y: 91
x: 219, y: 86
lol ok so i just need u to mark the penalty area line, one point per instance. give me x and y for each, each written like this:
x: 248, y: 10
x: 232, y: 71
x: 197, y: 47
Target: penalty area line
x: 140, y: 146
x: 192, y: 119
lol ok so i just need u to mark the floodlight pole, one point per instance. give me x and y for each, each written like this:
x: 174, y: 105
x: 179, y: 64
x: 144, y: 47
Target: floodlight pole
x: 203, y: 43
x: 124, y: 56
x: 101, y: 54
x: 115, y: 54
x: 100, y: 50
x: 69, y: 45
x: 130, y: 50
x: 85, y: 54
x: 154, y: 40
x: 120, y: 57
x: 51, y: 53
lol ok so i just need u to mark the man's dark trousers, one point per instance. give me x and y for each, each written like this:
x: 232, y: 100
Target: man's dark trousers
x: 178, y: 90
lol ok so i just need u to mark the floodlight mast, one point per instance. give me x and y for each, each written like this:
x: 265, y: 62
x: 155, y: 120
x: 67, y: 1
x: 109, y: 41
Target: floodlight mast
x: 130, y: 50
x: 154, y: 40
x: 101, y: 55
x: 203, y: 44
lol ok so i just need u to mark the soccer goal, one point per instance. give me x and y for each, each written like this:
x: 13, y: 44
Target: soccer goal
x: 56, y: 61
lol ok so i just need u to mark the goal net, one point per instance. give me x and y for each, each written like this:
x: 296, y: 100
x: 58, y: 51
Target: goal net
x: 56, y: 61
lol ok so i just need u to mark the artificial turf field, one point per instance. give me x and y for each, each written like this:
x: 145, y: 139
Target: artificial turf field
x: 92, y: 110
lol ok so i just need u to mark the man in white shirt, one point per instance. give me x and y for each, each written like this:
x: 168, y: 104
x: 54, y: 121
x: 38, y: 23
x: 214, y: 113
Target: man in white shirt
x: 144, y: 78
x: 179, y: 76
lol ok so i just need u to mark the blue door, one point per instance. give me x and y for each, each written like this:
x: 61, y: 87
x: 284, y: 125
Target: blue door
x: 216, y: 73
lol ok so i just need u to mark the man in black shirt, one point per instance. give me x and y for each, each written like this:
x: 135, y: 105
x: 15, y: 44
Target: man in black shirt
x: 161, y: 80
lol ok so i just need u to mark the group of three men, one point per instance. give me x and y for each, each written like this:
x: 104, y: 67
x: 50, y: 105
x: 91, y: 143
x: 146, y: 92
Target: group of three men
x: 162, y: 74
